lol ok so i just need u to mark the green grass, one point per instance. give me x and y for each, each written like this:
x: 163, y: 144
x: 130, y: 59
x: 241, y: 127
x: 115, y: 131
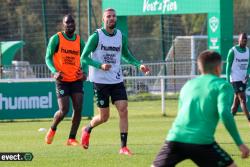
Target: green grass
x: 147, y: 131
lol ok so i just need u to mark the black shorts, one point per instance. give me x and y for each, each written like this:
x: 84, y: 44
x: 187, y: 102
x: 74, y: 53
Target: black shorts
x: 239, y: 86
x: 203, y: 155
x: 68, y: 88
x: 104, y: 91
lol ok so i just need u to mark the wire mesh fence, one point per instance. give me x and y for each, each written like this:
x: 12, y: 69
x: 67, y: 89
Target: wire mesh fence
x: 150, y: 37
x: 175, y: 74
x: 34, y: 22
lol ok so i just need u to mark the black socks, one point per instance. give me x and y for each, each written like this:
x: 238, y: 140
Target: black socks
x: 72, y: 136
x: 124, y: 139
x: 89, y: 128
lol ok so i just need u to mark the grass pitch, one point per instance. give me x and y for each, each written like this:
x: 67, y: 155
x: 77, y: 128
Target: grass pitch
x: 147, y: 131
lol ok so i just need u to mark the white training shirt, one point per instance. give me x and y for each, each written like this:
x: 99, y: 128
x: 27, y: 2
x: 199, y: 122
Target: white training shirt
x: 108, y: 51
x: 239, y: 65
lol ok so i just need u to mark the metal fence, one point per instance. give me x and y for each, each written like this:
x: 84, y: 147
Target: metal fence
x: 175, y: 74
x: 22, y: 69
x: 164, y: 78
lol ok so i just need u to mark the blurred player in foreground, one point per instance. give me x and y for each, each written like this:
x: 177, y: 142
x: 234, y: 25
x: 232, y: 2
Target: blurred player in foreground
x: 107, y: 46
x: 202, y: 102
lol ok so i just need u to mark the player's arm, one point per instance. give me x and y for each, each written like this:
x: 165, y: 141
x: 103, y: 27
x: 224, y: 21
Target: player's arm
x: 129, y: 58
x: 90, y: 46
x: 51, y: 48
x: 81, y: 73
x: 248, y: 68
x: 248, y: 72
x: 230, y: 58
x: 82, y: 46
x: 224, y: 102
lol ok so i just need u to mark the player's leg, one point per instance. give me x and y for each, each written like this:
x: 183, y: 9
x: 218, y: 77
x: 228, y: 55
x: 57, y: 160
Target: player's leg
x: 236, y: 103
x: 243, y: 105
x: 77, y: 99
x: 62, y: 91
x: 76, y: 91
x: 235, y: 106
x: 102, y: 94
x: 122, y: 109
x: 63, y: 104
x: 119, y: 99
x: 102, y: 117
x: 207, y: 155
x: 232, y: 165
x: 169, y: 155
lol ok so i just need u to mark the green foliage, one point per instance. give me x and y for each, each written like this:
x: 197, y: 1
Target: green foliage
x: 194, y: 24
x: 23, y: 20
x: 241, y: 16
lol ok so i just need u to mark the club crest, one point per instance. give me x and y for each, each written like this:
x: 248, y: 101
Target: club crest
x: 213, y: 23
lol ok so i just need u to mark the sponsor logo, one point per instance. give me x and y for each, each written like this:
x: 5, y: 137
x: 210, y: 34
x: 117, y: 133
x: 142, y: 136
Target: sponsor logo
x: 61, y: 92
x: 11, y: 156
x: 25, y: 102
x: 241, y: 60
x: 214, y: 43
x: 159, y: 5
x: 241, y: 88
x: 110, y: 48
x: 109, y: 58
x: 70, y: 60
x: 68, y: 51
x: 101, y: 102
x: 213, y: 23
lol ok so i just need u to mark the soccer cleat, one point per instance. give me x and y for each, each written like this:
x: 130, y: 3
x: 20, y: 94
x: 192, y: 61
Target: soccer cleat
x: 72, y: 142
x: 49, y: 136
x: 125, y: 151
x: 85, y: 138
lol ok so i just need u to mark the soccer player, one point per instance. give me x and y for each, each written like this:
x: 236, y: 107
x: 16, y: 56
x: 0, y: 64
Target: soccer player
x: 237, y: 71
x: 202, y: 102
x: 107, y: 46
x: 63, y: 60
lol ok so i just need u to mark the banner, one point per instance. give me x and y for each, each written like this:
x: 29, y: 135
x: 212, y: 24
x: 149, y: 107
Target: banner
x: 25, y: 100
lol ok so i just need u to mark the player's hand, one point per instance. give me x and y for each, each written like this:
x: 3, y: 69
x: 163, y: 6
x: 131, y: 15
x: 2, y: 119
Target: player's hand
x: 105, y: 67
x: 244, y: 151
x: 246, y: 79
x: 58, y: 75
x: 144, y: 69
x: 81, y: 75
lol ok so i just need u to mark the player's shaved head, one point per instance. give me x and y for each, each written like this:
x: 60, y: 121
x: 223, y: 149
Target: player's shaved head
x: 208, y: 61
x: 243, y: 39
x: 243, y: 34
x: 68, y: 16
x: 69, y: 24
